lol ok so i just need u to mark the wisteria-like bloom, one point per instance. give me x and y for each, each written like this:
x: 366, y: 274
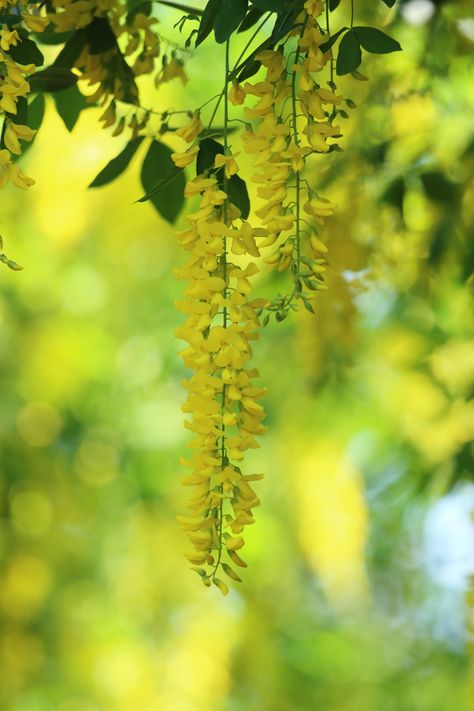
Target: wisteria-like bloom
x: 222, y: 400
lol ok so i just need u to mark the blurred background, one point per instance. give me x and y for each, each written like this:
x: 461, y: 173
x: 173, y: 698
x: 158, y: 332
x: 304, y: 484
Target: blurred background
x: 359, y: 593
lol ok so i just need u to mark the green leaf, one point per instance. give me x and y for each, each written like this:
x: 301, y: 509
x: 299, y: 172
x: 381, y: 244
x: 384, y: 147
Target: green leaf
x: 329, y: 43
x: 238, y: 195
x: 250, y: 65
x: 249, y: 70
x: 389, y: 3
x: 169, y: 198
x: 208, y: 149
x: 271, y: 5
x: 231, y: 14
x: 333, y: 4
x: 26, y: 51
x: 162, y: 182
x: 137, y: 7
x: 349, y: 56
x: 376, y: 41
x: 208, y: 20
x: 21, y: 115
x: 69, y: 104
x: 71, y: 50
x: 31, y: 115
x: 100, y: 36
x: 438, y: 188
x: 10, y: 20
x: 251, y: 19
x: 286, y: 21
x: 36, y: 112
x: 117, y: 165
x: 49, y: 36
x: 52, y: 79
x: 394, y: 193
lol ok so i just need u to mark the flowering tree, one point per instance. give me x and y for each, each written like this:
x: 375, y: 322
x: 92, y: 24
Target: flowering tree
x: 291, y: 112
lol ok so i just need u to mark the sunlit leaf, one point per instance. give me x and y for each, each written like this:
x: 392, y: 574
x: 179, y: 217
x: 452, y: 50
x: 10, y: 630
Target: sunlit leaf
x: 117, y: 165
x: 169, y: 198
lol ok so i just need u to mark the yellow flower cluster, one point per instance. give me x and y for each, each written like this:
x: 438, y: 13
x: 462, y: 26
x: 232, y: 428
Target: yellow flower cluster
x: 14, y: 87
x: 282, y: 144
x: 71, y: 14
x: 222, y: 398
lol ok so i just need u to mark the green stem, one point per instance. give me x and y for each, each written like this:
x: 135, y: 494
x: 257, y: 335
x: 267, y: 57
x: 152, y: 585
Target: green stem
x: 331, y: 62
x: 297, y: 173
x: 224, y: 311
x: 236, y: 65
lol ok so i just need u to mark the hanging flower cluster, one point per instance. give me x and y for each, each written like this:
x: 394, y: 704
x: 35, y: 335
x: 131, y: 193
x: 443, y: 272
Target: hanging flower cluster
x: 295, y: 120
x: 14, y: 88
x: 109, y: 43
x: 222, y: 399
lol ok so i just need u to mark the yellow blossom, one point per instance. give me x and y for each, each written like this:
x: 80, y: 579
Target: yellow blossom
x: 189, y: 132
x: 236, y: 94
x: 228, y: 162
x: 181, y: 160
x: 15, y: 132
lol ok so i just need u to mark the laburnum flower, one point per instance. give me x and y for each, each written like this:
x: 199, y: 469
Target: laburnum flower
x: 10, y: 171
x: 316, y: 244
x: 318, y: 133
x: 35, y: 23
x: 8, y: 38
x: 109, y: 116
x: 315, y: 8
x: 296, y: 154
x: 228, y: 163
x: 274, y: 62
x: 319, y: 208
x: 236, y: 94
x: 173, y: 70
x: 222, y: 401
x: 181, y: 160
x: 14, y: 133
x: 14, y: 87
x: 192, y: 130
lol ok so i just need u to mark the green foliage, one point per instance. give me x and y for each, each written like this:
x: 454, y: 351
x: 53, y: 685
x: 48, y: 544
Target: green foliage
x: 117, y: 165
x: 208, y: 20
x: 271, y: 5
x: 52, y: 79
x: 229, y: 18
x: 69, y: 104
x: 26, y: 51
x: 376, y: 41
x: 168, y: 198
x: 349, y: 55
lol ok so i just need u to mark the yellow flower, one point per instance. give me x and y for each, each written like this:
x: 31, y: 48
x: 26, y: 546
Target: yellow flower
x: 171, y: 71
x: 189, y: 132
x: 15, y: 132
x: 181, y: 160
x: 236, y: 94
x: 318, y: 133
x: 109, y: 116
x: 319, y: 208
x: 297, y: 155
x: 315, y: 8
x: 273, y: 61
x: 8, y: 38
x: 230, y: 165
x: 35, y: 23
